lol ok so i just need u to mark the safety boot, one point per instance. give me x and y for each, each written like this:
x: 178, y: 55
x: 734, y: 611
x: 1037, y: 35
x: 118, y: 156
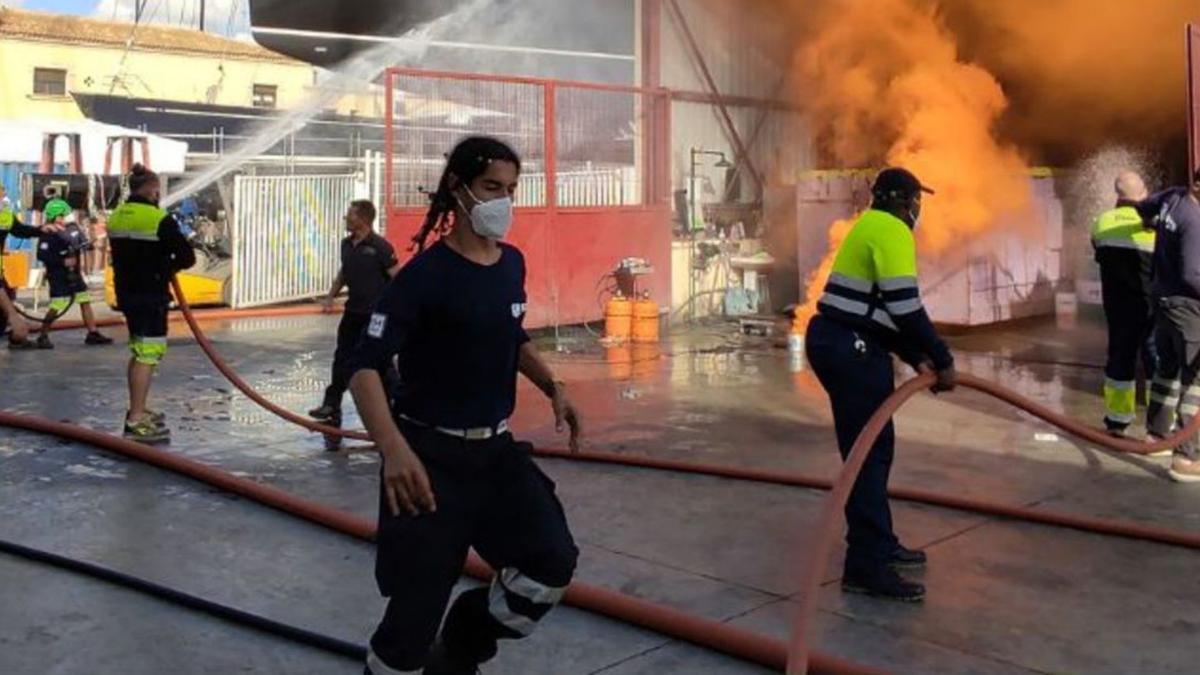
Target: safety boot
x: 96, y: 338
x: 907, y: 559
x: 324, y: 412
x: 885, y: 584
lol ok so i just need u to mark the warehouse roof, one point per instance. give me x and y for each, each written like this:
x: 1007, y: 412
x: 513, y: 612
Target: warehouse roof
x: 79, y: 30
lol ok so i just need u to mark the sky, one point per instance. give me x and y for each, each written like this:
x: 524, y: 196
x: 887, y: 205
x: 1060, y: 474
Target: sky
x: 227, y: 17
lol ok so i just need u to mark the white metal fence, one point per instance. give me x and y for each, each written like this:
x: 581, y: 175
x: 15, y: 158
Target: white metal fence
x: 286, y: 236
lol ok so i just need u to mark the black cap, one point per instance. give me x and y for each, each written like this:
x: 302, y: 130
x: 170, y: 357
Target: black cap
x: 895, y: 182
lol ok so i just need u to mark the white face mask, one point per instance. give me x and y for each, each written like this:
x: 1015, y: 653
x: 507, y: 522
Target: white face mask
x: 491, y: 219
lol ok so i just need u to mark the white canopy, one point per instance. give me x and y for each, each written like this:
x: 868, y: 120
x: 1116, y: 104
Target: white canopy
x: 21, y: 141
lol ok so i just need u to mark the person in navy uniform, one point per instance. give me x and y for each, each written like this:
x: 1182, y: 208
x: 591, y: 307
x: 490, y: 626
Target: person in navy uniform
x: 453, y: 476
x: 368, y: 264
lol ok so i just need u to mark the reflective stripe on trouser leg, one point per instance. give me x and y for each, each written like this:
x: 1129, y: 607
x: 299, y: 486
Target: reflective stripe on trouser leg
x: 1164, y: 399
x: 1165, y: 392
x: 1189, y: 404
x: 378, y: 667
x: 518, y: 602
x: 148, y: 350
x: 1120, y: 400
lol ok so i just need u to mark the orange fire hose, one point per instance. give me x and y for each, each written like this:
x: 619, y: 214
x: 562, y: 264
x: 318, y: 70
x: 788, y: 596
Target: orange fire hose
x: 205, y: 314
x: 799, y: 655
x: 652, y: 616
x: 829, y: 524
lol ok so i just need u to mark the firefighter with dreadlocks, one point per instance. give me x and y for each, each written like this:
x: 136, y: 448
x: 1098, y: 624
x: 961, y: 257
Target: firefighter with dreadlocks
x: 453, y: 476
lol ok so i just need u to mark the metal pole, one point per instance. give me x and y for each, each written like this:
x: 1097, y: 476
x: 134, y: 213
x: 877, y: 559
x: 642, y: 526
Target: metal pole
x: 203, y: 3
x: 691, y: 219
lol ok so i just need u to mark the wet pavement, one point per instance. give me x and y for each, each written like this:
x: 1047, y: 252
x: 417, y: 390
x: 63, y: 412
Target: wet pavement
x: 1004, y: 597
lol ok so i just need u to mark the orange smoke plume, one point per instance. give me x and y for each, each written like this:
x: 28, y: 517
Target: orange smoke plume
x: 1081, y: 74
x: 883, y: 83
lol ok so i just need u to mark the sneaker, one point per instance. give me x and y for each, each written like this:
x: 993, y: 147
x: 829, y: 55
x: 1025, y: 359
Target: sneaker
x: 21, y: 345
x: 43, y: 342
x: 147, y: 431
x: 324, y: 413
x: 1184, y: 470
x: 94, y: 338
x: 442, y: 661
x: 887, y: 585
x: 907, y: 559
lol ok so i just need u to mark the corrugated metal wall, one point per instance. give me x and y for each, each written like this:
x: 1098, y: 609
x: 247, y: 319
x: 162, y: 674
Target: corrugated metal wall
x: 747, y: 51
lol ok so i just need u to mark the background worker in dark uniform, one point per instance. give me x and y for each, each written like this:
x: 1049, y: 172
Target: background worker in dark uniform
x: 147, y: 249
x: 872, y: 308
x: 61, y: 252
x: 1125, y: 252
x: 453, y: 477
x: 1175, y: 394
x: 10, y: 320
x: 368, y: 263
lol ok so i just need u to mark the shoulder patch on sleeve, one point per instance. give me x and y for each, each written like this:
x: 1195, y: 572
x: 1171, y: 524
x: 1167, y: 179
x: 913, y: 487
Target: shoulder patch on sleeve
x: 378, y: 324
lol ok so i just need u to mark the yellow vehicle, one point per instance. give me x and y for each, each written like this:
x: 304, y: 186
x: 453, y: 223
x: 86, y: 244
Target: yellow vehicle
x: 206, y: 283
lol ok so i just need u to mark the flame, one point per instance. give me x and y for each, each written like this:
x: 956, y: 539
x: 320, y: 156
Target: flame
x: 815, y: 283
x: 884, y: 85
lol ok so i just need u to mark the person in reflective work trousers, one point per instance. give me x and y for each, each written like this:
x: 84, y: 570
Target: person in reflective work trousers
x: 872, y: 308
x: 453, y: 476
x: 1125, y: 252
x: 1175, y: 393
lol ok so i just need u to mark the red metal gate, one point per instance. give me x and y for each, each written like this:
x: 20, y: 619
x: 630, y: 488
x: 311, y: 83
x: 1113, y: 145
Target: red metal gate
x: 595, y: 186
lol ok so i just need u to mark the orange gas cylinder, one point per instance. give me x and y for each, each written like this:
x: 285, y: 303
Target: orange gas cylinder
x: 645, y: 360
x: 620, y: 361
x: 645, y: 320
x: 618, y: 318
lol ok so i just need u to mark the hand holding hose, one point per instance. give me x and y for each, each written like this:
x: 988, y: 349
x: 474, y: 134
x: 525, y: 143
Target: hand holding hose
x: 947, y: 378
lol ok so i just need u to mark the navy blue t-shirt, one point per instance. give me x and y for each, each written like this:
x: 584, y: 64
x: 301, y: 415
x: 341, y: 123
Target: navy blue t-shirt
x: 1175, y: 216
x: 456, y: 328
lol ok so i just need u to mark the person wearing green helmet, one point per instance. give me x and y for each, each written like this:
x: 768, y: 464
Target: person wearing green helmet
x: 60, y: 253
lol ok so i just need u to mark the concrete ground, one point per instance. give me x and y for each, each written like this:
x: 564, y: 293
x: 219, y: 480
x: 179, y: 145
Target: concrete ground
x: 1004, y: 597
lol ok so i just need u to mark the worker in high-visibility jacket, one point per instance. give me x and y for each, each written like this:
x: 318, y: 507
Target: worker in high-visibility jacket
x: 1125, y: 252
x: 147, y: 249
x: 871, y: 309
